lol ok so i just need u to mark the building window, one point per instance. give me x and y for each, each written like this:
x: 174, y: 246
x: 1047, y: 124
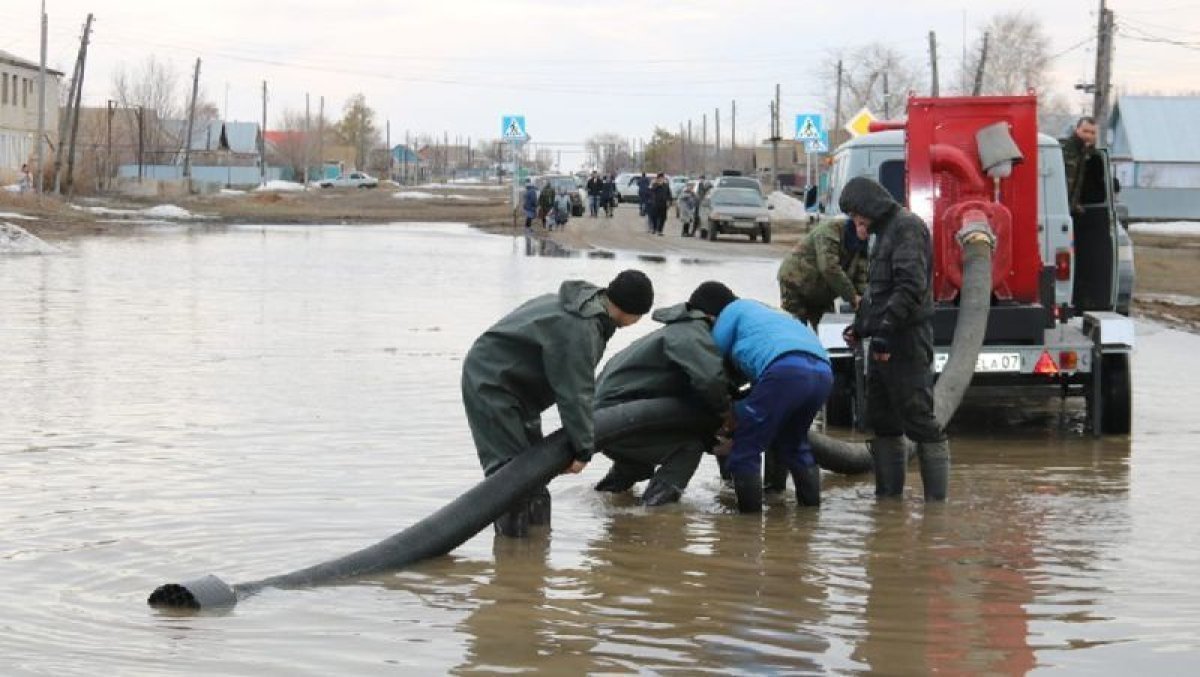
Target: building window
x: 25, y: 93
x: 4, y: 96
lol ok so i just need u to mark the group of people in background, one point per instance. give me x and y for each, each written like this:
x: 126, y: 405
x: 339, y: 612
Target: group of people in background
x: 602, y: 194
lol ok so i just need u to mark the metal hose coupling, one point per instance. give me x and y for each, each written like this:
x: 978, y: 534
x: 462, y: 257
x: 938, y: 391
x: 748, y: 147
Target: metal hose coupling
x: 976, y: 229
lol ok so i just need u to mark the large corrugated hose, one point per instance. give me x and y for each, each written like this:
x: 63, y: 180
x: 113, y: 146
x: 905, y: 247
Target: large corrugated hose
x: 460, y: 519
x: 853, y: 458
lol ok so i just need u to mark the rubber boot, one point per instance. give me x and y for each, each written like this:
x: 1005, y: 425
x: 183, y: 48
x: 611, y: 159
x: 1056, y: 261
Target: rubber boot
x: 935, y: 469
x: 659, y: 493
x: 749, y: 490
x: 890, y: 466
x: 622, y: 476
x: 515, y: 522
x: 539, y: 507
x: 807, y: 479
x: 775, y: 473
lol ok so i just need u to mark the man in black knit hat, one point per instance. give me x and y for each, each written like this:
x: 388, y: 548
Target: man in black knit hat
x: 541, y: 354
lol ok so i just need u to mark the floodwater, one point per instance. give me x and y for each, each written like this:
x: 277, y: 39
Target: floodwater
x: 246, y: 401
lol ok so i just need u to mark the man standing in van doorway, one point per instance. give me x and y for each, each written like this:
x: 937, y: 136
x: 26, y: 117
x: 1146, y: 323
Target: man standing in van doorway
x: 1077, y: 151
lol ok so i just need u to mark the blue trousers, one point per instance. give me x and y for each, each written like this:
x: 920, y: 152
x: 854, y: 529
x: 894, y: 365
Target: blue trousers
x: 778, y: 412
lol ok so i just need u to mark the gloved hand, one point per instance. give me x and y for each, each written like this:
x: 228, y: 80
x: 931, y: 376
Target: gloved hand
x: 850, y: 336
x: 881, y: 348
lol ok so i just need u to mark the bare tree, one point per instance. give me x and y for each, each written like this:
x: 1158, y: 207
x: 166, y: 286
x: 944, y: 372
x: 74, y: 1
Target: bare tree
x: 1017, y: 55
x: 357, y: 128
x: 609, y: 152
x: 865, y: 71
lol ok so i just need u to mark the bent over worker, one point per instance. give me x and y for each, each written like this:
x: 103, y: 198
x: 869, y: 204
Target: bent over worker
x: 544, y: 353
x: 830, y: 262
x: 897, y: 315
x: 680, y: 360
x: 790, y: 380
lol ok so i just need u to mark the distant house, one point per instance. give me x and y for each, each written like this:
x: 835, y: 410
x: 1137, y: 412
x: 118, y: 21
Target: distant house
x: 19, y: 112
x: 1156, y: 156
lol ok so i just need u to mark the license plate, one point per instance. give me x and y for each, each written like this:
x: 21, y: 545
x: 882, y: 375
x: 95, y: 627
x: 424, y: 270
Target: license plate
x: 990, y: 363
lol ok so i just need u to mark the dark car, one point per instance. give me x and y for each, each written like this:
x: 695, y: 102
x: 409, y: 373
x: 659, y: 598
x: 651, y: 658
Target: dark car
x: 565, y: 183
x: 735, y: 210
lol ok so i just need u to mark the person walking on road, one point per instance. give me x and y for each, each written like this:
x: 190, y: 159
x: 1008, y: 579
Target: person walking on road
x: 660, y: 202
x: 595, y: 186
x: 529, y: 203
x: 562, y: 210
x: 546, y: 203
x: 541, y: 354
x: 687, y: 209
x: 896, y: 314
x: 608, y: 195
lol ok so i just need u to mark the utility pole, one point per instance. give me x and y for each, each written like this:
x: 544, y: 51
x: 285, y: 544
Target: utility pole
x: 933, y: 74
x: 717, y: 127
x: 64, y: 123
x: 978, y: 89
x: 87, y: 30
x: 406, y: 152
x: 775, y: 141
x: 837, y: 107
x: 733, y: 134
x: 689, y: 138
x: 1104, y: 49
x: 307, y: 140
x: 682, y: 151
x: 887, y: 98
x: 262, y: 141
x: 187, y: 141
x: 321, y: 136
x: 141, y: 124
x: 704, y: 144
x: 388, y: 143
x: 110, y: 110
x: 41, y: 132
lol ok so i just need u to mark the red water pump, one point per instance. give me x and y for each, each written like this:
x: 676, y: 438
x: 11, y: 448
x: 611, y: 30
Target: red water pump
x: 972, y: 165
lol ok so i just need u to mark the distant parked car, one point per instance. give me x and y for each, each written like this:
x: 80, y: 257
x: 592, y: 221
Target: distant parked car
x: 746, y: 182
x: 627, y: 187
x: 677, y: 184
x: 735, y: 210
x: 351, y: 180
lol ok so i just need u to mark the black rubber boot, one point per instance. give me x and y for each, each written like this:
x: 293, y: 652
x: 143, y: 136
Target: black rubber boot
x: 515, y: 522
x: 935, y: 469
x: 807, y: 479
x: 539, y: 507
x: 775, y: 473
x: 749, y: 490
x: 660, y: 493
x: 890, y: 466
x: 622, y: 476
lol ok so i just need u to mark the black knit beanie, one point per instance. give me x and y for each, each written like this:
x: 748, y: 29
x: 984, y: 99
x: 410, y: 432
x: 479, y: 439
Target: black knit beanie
x: 711, y: 298
x: 632, y: 292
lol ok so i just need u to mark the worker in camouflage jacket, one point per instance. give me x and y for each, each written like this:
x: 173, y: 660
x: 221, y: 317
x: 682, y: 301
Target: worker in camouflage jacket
x: 896, y: 313
x: 679, y: 359
x: 541, y: 354
x: 830, y: 262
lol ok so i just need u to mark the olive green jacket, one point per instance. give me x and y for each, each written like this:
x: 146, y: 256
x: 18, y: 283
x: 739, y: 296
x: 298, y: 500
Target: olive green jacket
x: 679, y: 359
x: 545, y: 352
x: 1075, y: 157
x: 812, y: 276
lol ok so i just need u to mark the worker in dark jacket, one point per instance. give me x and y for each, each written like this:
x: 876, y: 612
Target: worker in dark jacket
x: 680, y: 360
x: 830, y: 262
x: 1077, y: 150
x: 897, y: 315
x: 660, y: 202
x: 544, y: 353
x: 790, y: 379
x: 594, y: 185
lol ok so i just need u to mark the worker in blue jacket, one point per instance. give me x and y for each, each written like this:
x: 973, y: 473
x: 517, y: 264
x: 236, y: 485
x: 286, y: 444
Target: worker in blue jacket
x: 790, y: 381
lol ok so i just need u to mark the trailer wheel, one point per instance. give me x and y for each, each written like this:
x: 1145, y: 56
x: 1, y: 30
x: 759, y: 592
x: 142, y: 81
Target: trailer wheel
x: 712, y: 233
x: 839, y: 410
x: 1116, y: 395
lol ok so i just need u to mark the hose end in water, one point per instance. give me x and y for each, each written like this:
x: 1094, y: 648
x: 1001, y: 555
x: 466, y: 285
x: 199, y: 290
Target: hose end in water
x: 200, y: 593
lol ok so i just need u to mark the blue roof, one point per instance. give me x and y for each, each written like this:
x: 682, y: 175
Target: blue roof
x: 403, y: 153
x: 1156, y: 128
x: 242, y: 136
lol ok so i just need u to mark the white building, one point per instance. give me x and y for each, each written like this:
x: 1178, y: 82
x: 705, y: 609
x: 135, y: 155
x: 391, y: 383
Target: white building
x: 19, y: 112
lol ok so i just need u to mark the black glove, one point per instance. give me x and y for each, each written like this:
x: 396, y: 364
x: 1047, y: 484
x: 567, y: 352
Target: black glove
x: 880, y: 345
x: 851, y: 337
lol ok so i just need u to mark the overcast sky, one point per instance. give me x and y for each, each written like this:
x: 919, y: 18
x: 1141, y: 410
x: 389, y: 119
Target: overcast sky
x: 572, y: 67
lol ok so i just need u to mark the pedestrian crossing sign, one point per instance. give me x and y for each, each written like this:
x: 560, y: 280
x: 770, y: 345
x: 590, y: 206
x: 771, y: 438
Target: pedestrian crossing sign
x: 512, y: 128
x: 811, y: 133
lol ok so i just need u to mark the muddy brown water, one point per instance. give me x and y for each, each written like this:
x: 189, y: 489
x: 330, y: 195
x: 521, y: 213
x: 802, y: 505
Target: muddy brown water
x: 249, y: 400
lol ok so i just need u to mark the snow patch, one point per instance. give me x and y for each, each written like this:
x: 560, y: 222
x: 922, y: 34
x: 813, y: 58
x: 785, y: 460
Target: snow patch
x: 19, y: 217
x: 16, y: 240
x: 13, y: 188
x: 231, y: 191
x: 1167, y: 228
x: 461, y: 184
x: 413, y: 195
x: 156, y: 212
x: 787, y: 208
x: 280, y: 186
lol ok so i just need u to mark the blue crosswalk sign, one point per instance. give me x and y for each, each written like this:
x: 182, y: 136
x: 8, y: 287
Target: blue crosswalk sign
x: 512, y: 128
x: 811, y: 132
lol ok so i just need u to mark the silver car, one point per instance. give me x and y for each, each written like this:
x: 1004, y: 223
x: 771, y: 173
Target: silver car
x: 735, y: 210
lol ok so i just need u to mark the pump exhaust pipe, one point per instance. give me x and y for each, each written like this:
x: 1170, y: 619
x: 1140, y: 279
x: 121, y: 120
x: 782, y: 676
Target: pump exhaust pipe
x: 977, y: 241
x: 460, y: 519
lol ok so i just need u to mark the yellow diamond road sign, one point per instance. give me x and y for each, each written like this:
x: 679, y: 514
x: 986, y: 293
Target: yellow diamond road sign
x: 860, y: 123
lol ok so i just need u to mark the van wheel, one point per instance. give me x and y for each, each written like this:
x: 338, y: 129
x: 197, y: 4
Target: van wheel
x: 766, y: 235
x: 754, y: 237
x: 712, y: 234
x: 1116, y: 395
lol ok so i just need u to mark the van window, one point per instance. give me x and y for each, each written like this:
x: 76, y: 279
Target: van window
x: 891, y: 175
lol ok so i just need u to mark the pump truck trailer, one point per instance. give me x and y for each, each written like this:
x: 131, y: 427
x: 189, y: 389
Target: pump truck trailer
x: 1061, y: 281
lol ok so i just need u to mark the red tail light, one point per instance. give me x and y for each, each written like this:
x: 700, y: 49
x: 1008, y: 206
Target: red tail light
x: 1045, y: 365
x: 1062, y: 265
